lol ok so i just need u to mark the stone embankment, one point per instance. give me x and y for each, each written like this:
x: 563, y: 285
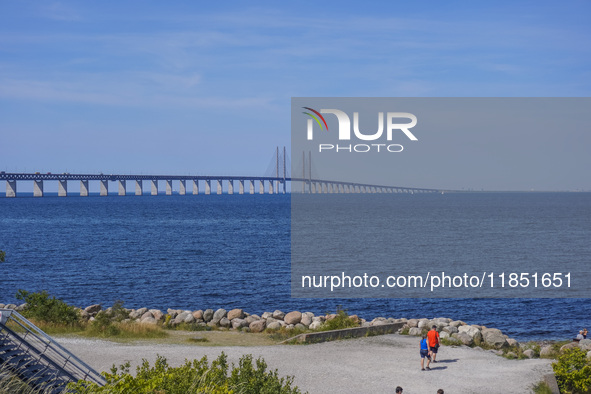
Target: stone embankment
x: 451, y: 331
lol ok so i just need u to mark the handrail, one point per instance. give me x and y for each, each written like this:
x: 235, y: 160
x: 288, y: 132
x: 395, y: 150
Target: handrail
x: 53, y: 352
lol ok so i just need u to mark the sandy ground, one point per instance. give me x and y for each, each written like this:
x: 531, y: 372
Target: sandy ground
x: 365, y: 365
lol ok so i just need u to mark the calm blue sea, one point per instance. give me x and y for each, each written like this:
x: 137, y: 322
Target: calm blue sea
x: 233, y: 251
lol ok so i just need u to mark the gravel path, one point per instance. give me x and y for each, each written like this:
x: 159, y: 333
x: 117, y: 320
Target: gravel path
x: 365, y: 365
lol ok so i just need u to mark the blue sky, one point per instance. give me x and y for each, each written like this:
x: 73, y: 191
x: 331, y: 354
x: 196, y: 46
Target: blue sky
x: 204, y: 88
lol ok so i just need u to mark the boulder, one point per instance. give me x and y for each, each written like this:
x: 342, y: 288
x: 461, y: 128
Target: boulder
x: 189, y: 318
x: 585, y: 344
x: 449, y: 329
x: 569, y: 345
x: 180, y: 318
x: 239, y: 323
x: 413, y: 323
x: 12, y: 306
x: 379, y: 322
x: 589, y: 355
x: 473, y: 332
x: 424, y: 323
x: 257, y: 326
x: 494, y: 337
x: 444, y: 334
x: 456, y: 323
x: 293, y: 317
x: 21, y: 307
x: 266, y: 315
x: 278, y: 315
x: 463, y: 337
x: 146, y: 315
x: 134, y: 314
x: 529, y: 353
x: 316, y: 324
x: 250, y: 319
x: 512, y: 342
x: 93, y: 309
x: 141, y: 311
x: 198, y: 315
x: 274, y: 326
x: 148, y: 320
x: 208, y: 315
x: 547, y: 352
x: 415, y: 331
x: 306, y: 319
x: 512, y: 355
x: 300, y: 327
x: 157, y: 313
x: 218, y: 315
x: 2, y: 306
x: 83, y: 314
x: 225, y: 322
x: 235, y: 314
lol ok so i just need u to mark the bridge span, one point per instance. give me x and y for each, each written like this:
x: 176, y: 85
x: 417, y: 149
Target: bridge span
x: 211, y: 183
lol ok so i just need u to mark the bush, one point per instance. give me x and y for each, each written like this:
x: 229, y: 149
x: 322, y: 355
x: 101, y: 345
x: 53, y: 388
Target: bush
x: 41, y: 307
x: 340, y: 321
x: 2, y: 256
x: 196, y: 376
x: 573, y: 371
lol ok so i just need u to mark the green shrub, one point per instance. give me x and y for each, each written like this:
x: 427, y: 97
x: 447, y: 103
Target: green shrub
x: 2, y: 256
x: 41, y: 307
x: 192, y: 377
x: 340, y: 321
x: 573, y: 371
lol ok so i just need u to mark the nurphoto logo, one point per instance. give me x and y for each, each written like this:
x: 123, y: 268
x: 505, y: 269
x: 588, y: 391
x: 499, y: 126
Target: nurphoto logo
x: 393, y: 125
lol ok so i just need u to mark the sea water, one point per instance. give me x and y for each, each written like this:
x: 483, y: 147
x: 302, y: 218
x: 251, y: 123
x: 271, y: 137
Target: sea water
x: 233, y: 251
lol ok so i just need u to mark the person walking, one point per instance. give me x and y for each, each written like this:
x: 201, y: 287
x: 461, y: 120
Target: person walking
x: 433, y: 339
x: 425, y: 353
x: 398, y: 390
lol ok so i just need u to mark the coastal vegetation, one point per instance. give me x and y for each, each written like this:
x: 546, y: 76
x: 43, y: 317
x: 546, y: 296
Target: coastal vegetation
x: 2, y: 256
x: 197, y: 376
x: 573, y: 371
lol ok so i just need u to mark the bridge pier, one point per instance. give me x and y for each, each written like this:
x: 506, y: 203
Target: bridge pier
x: 104, y: 188
x: 271, y: 187
x: 169, y: 187
x: 207, y: 186
x: 219, y: 191
x: 139, y: 187
x: 182, y: 187
x: 313, y: 187
x: 154, y: 188
x: 230, y: 186
x: 84, y: 188
x: 122, y: 187
x: 62, y: 188
x: 10, y: 188
x: 251, y: 186
x: 241, y: 186
x: 195, y: 186
x: 261, y: 186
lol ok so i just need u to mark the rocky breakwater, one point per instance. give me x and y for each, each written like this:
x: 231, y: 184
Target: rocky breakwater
x: 452, y: 332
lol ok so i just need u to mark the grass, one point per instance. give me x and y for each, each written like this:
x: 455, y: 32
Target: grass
x: 542, y: 388
x: 124, y: 331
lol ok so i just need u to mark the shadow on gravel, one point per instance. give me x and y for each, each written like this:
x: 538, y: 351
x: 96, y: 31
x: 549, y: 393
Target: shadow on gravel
x: 448, y: 361
x: 437, y: 368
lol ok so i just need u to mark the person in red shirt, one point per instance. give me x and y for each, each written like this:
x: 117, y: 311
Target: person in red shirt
x: 433, y: 338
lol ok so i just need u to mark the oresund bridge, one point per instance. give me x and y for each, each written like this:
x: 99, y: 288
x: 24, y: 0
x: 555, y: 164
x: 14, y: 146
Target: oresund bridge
x: 203, y: 184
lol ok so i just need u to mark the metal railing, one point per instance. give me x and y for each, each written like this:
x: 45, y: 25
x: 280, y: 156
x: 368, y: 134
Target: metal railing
x: 34, y: 355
